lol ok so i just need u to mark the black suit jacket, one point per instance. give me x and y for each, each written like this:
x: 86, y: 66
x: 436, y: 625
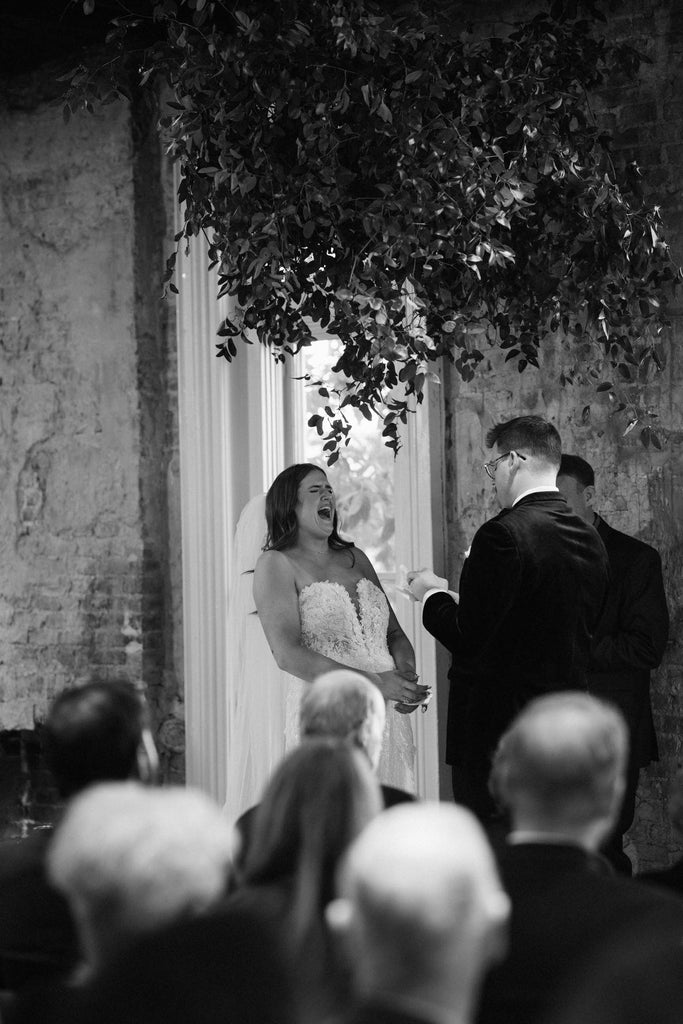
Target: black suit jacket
x: 531, y: 592
x: 566, y: 909
x: 669, y: 878
x: 375, y: 1012
x: 630, y: 636
x: 37, y: 936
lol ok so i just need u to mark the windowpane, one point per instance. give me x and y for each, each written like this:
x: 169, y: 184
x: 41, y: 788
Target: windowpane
x: 363, y: 477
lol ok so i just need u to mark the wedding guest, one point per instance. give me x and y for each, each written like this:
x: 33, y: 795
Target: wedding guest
x: 530, y: 593
x: 344, y: 704
x: 92, y: 733
x: 319, y: 799
x: 422, y: 913
x: 220, y: 967
x: 130, y: 858
x: 637, y: 980
x: 629, y: 639
x: 341, y: 704
x: 560, y: 769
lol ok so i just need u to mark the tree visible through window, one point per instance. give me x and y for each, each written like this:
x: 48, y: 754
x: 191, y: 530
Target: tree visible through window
x: 363, y: 476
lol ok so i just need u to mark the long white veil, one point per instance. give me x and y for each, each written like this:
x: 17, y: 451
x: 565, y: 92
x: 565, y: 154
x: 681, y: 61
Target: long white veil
x: 256, y: 688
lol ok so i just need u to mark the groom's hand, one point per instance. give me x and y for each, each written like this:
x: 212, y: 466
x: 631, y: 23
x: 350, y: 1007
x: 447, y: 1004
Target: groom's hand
x: 423, y: 580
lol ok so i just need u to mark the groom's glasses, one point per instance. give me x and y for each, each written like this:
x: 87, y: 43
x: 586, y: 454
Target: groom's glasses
x: 490, y: 467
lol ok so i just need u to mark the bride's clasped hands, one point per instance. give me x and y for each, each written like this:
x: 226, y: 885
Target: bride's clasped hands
x: 402, y: 687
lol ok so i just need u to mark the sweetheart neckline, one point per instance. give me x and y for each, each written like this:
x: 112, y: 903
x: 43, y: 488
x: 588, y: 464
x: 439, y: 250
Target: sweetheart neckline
x: 336, y: 583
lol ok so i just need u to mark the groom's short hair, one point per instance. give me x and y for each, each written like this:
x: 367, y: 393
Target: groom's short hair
x: 531, y: 435
x: 344, y: 704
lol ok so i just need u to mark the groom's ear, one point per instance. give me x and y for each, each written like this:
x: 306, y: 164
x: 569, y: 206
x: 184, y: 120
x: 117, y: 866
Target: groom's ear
x: 589, y: 496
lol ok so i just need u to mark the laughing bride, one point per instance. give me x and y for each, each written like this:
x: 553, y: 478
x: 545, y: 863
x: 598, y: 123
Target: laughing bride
x: 321, y: 606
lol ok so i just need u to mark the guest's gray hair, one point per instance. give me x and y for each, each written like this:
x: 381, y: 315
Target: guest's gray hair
x: 344, y: 704
x: 129, y: 858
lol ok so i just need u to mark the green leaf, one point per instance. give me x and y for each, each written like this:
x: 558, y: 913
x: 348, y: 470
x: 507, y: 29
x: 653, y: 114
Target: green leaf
x: 418, y: 189
x: 384, y: 112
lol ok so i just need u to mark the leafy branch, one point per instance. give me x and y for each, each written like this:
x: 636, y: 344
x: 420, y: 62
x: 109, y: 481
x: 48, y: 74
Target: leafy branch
x: 413, y: 188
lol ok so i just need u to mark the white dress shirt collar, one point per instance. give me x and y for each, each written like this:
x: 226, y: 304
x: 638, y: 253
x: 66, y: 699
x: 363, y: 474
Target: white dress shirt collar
x: 534, y: 490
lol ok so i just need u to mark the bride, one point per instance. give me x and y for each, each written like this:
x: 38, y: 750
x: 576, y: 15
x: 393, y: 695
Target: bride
x: 320, y: 604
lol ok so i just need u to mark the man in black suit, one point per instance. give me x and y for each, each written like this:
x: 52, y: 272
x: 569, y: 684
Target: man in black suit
x: 530, y: 593
x: 93, y: 733
x: 629, y: 639
x: 422, y: 914
x: 560, y: 771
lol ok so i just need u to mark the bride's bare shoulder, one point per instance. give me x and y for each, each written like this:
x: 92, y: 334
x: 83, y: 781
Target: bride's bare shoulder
x: 272, y: 560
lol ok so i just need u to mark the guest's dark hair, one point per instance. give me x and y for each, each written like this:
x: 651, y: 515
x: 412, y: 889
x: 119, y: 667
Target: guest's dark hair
x: 281, y: 501
x: 578, y: 469
x: 92, y: 734
x: 531, y: 435
x: 319, y: 799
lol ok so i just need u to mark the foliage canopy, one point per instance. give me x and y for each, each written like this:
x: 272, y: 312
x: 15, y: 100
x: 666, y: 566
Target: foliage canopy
x: 413, y: 186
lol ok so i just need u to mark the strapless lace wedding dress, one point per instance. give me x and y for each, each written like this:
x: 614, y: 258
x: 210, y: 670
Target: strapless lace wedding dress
x: 355, y: 635
x: 262, y: 702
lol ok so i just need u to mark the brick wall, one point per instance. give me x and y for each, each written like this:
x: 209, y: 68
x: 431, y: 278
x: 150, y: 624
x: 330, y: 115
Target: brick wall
x: 89, y: 525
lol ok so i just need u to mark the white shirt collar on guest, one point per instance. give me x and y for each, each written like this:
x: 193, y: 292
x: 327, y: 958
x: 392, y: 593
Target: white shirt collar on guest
x: 518, y: 836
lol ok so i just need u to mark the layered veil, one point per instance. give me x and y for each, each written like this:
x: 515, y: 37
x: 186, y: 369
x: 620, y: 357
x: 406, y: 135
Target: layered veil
x: 258, y: 692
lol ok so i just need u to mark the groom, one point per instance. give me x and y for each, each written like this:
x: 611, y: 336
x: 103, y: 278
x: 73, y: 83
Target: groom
x: 530, y: 593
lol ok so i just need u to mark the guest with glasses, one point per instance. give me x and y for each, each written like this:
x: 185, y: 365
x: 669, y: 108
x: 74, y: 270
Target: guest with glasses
x: 530, y: 594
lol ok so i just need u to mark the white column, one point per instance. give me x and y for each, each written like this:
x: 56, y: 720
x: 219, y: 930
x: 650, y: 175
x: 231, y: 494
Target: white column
x: 419, y: 519
x: 206, y: 515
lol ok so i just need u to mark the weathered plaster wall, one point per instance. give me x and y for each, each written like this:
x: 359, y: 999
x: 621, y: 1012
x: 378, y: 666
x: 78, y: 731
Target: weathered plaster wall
x: 89, y: 544
x: 640, y: 490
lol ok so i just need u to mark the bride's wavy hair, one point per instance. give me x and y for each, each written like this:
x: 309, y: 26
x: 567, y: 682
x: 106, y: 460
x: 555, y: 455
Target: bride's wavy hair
x: 281, y: 500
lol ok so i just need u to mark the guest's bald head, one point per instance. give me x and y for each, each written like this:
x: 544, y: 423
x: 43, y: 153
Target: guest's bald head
x: 562, y: 762
x: 421, y: 901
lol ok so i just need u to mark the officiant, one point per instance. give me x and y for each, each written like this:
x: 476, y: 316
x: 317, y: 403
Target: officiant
x: 629, y: 640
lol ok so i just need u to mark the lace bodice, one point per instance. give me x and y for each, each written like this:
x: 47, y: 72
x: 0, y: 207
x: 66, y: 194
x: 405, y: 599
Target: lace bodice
x: 332, y: 625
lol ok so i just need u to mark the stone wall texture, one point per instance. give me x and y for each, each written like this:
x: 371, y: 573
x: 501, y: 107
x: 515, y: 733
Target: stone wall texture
x: 88, y: 445
x: 639, y: 489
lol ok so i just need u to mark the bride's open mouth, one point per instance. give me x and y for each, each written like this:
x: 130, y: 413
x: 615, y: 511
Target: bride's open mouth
x: 325, y: 512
